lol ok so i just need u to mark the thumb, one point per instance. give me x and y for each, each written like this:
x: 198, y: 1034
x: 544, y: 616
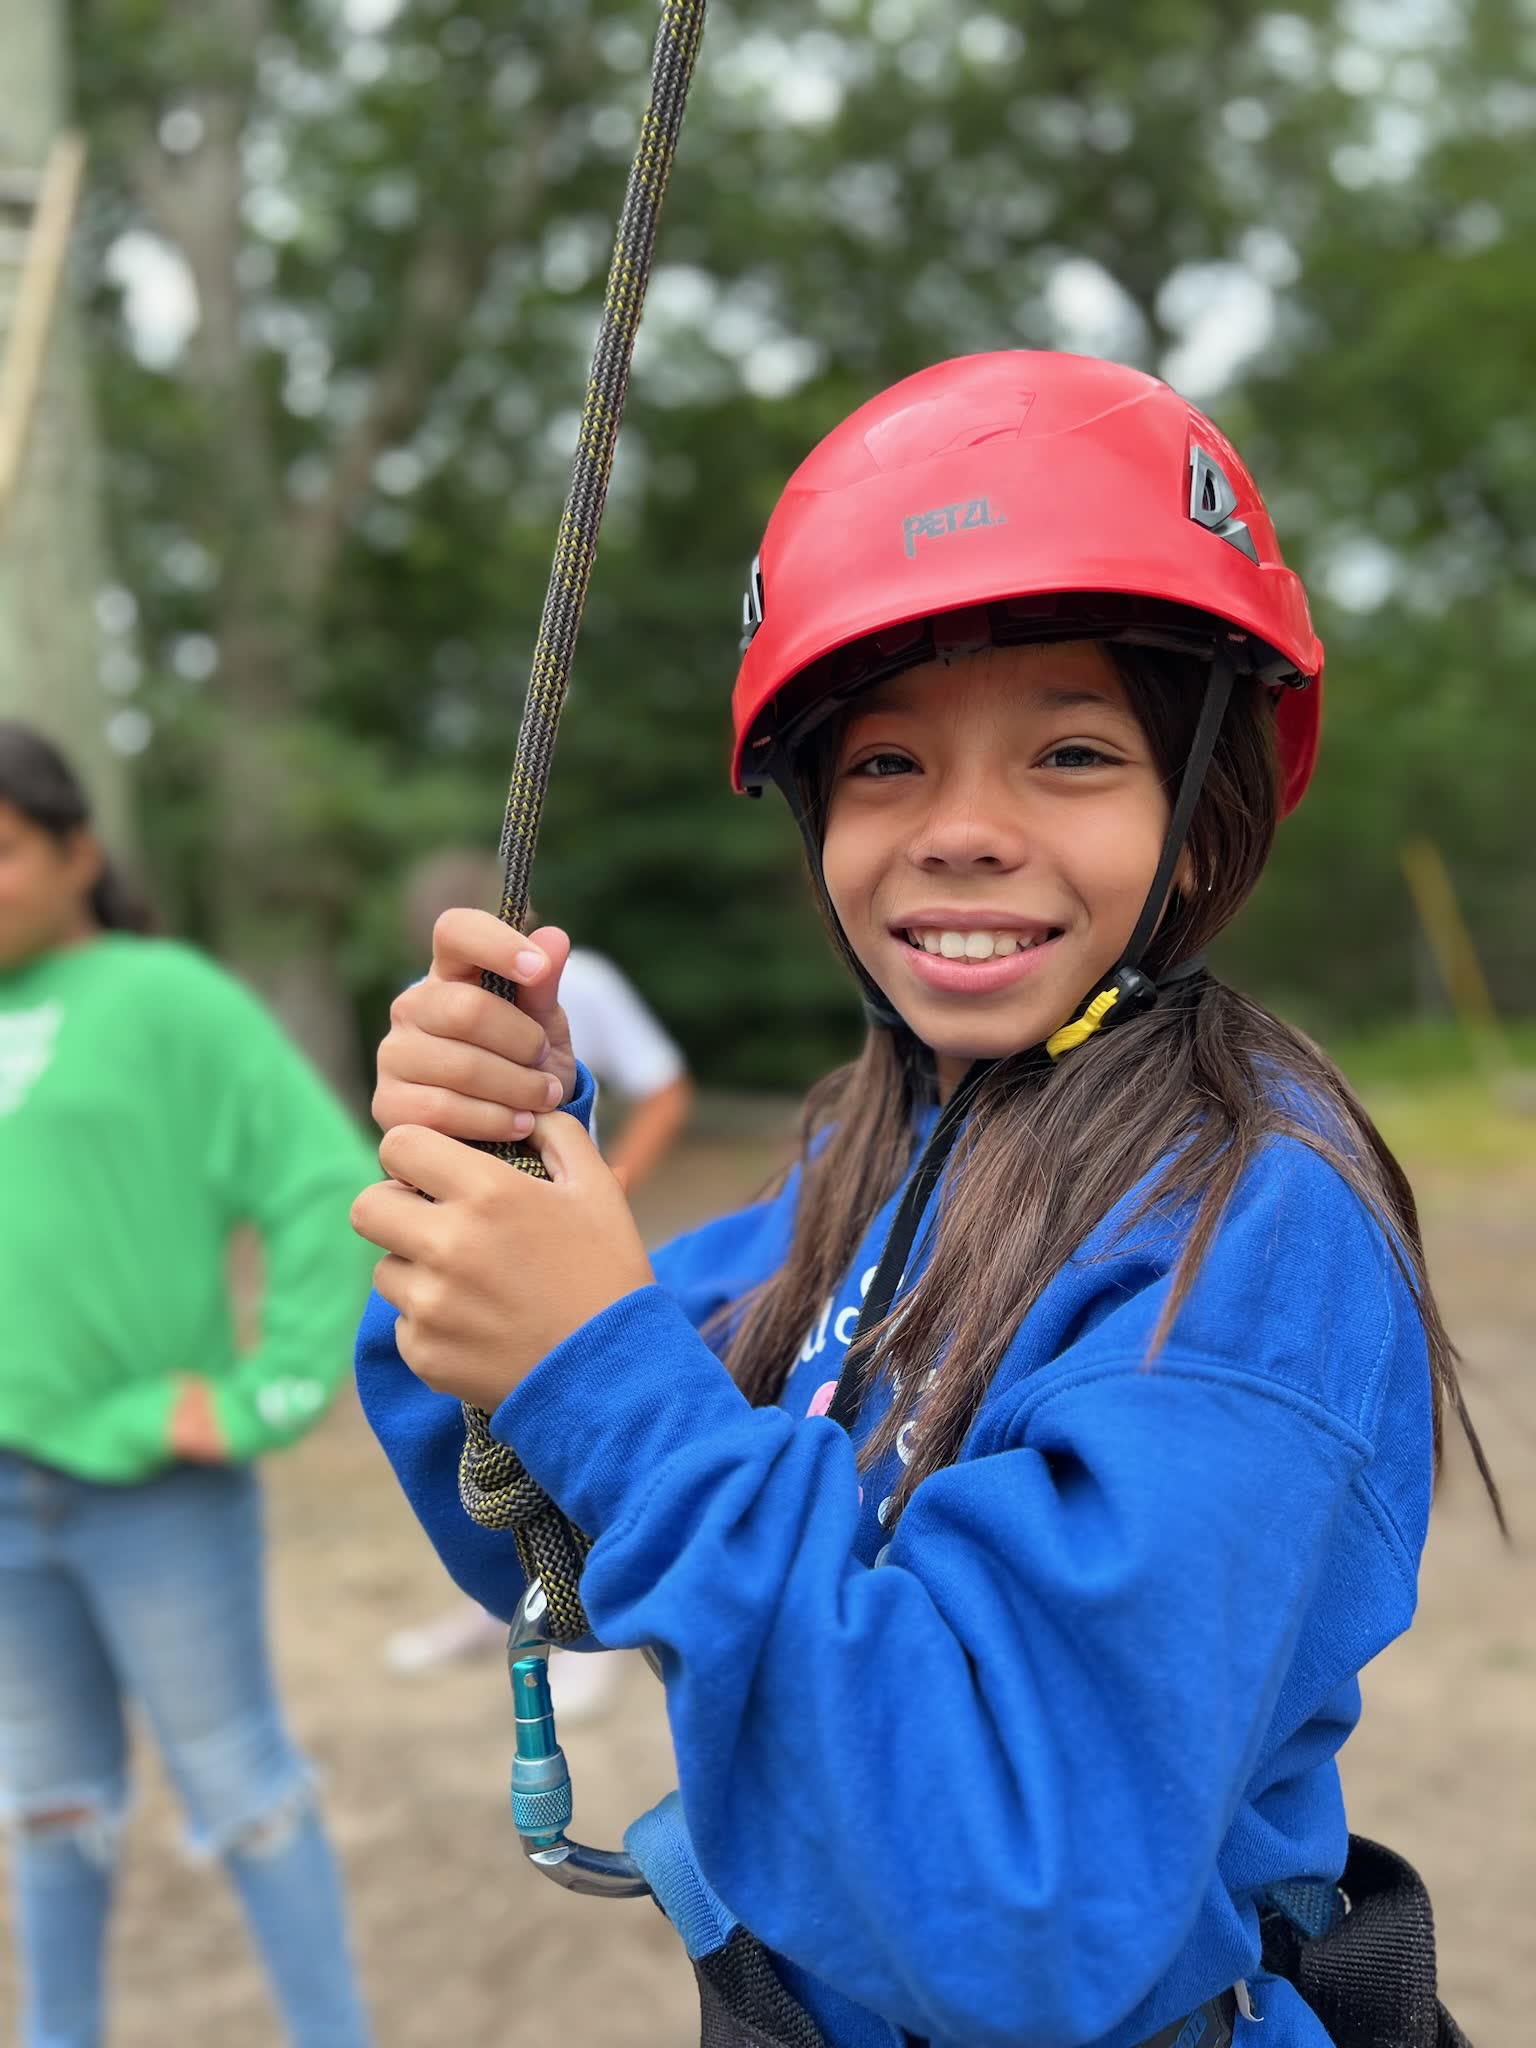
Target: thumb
x: 565, y: 1147
x: 538, y: 993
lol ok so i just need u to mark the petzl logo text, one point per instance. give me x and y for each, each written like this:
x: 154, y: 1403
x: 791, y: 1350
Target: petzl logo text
x: 965, y: 517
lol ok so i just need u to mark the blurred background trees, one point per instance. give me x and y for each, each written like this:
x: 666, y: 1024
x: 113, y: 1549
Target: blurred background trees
x: 344, y: 262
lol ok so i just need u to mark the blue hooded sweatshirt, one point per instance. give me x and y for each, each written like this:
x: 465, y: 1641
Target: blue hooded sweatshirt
x: 1013, y: 1772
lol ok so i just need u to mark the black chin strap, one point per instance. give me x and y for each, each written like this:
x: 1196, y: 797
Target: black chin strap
x: 1218, y: 690
x: 1125, y: 990
x: 857, y: 1372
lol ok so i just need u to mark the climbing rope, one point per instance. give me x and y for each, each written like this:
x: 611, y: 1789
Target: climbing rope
x: 494, y: 1484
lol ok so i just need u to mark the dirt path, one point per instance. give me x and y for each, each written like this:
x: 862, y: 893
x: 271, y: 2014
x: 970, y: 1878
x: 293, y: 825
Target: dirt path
x: 461, y: 1944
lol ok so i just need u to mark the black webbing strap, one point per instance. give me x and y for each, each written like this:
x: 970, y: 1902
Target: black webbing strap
x: 1208, y: 2026
x: 856, y: 1374
x: 1371, y: 1979
x: 1213, y: 709
x: 743, y: 2003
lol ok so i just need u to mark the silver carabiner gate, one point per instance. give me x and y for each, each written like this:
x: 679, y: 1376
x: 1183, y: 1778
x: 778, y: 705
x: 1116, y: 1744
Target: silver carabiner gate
x: 541, y: 1777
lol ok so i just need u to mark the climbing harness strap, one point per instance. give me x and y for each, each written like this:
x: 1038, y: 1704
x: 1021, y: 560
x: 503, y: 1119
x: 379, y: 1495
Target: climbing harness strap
x: 1362, y: 1953
x: 742, y: 2000
x: 494, y: 1485
x: 1209, y: 2026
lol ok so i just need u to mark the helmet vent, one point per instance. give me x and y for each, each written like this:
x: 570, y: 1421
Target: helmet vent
x: 1213, y: 503
x: 752, y: 604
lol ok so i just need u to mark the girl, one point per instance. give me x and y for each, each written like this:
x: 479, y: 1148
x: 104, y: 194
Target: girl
x: 147, y: 1106
x: 1001, y: 1711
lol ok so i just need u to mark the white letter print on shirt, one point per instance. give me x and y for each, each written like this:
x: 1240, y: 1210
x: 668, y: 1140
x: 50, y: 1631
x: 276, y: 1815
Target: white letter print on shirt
x: 27, y: 1040
x: 842, y: 1330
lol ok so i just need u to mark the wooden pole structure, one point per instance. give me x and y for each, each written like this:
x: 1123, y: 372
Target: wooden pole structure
x: 1455, y: 956
x: 53, y: 556
x: 32, y: 312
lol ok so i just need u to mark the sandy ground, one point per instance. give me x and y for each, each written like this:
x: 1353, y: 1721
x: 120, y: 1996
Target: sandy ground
x: 460, y: 1943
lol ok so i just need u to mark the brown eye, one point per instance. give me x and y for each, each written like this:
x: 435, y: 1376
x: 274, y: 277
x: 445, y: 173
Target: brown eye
x: 1077, y: 756
x: 880, y: 765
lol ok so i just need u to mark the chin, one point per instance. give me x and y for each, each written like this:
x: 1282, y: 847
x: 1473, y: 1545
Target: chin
x: 979, y: 1039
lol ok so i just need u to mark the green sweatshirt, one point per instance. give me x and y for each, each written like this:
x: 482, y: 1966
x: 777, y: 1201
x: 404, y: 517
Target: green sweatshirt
x: 148, y: 1105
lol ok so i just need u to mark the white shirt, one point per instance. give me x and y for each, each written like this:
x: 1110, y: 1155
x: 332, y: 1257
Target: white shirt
x: 612, y: 1031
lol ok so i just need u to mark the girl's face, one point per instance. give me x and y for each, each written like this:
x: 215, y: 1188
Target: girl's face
x: 992, y: 830
x: 45, y: 887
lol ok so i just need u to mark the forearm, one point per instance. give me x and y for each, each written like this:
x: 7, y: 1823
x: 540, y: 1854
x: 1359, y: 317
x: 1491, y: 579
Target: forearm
x: 648, y: 1132
x: 316, y: 1277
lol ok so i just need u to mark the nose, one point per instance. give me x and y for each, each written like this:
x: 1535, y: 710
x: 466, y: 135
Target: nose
x: 975, y: 819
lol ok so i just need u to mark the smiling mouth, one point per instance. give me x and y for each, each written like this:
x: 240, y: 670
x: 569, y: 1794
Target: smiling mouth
x: 947, y: 944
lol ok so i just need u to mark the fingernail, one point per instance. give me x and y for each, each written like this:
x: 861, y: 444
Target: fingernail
x: 529, y: 964
x: 553, y: 1093
x: 522, y: 1124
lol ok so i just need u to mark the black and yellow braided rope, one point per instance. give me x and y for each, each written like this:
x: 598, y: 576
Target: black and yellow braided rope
x: 493, y: 1483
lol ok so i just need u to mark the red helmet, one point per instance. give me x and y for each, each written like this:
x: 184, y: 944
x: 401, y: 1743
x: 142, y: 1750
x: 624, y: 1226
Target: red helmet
x: 1040, y: 494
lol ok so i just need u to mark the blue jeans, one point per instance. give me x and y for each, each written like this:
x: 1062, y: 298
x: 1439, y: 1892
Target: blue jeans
x: 153, y: 1592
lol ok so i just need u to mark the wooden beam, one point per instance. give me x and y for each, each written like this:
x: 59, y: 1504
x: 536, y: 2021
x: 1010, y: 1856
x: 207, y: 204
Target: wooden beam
x: 1460, y: 970
x: 37, y: 295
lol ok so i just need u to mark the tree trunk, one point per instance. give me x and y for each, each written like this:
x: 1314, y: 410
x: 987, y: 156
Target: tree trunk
x: 52, y: 552
x: 277, y: 923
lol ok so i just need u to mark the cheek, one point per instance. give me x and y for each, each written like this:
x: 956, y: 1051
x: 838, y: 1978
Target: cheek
x: 1120, y: 857
x: 850, y: 863
x: 18, y: 883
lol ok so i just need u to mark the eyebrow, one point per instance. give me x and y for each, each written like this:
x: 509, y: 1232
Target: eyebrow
x: 1078, y: 700
x: 1058, y: 697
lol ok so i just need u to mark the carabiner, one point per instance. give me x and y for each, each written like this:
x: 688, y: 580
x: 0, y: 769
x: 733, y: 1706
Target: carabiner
x: 541, y: 1778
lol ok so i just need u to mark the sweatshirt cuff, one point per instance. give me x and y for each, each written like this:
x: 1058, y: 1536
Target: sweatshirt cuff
x: 583, y: 1103
x: 243, y: 1429
x: 599, y: 1415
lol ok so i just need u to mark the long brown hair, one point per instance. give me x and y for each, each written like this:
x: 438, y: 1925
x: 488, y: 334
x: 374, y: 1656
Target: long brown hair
x: 1201, y: 1082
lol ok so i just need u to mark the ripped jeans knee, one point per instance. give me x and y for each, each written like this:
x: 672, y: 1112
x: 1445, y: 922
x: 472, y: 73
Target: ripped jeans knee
x: 267, y: 1834
x: 245, y: 1789
x: 91, y: 1827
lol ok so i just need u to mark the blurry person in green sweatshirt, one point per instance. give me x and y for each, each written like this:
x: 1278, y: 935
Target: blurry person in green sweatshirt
x: 148, y: 1107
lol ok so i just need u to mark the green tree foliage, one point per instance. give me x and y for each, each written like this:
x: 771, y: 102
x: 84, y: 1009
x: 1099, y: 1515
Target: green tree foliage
x: 336, y: 505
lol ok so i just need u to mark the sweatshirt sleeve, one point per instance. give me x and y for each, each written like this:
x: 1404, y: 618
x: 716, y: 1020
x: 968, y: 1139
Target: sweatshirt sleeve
x: 883, y: 1770
x: 286, y: 1158
x: 422, y: 1432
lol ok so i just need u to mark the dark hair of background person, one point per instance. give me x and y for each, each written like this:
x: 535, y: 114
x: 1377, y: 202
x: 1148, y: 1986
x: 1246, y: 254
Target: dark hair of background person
x: 37, y: 781
x: 1200, y: 1082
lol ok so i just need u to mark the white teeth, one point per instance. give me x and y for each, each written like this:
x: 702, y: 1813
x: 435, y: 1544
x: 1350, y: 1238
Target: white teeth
x: 971, y: 945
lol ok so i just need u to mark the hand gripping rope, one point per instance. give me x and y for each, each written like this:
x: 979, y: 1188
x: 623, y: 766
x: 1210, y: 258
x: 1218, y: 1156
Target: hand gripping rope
x: 494, y: 1484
